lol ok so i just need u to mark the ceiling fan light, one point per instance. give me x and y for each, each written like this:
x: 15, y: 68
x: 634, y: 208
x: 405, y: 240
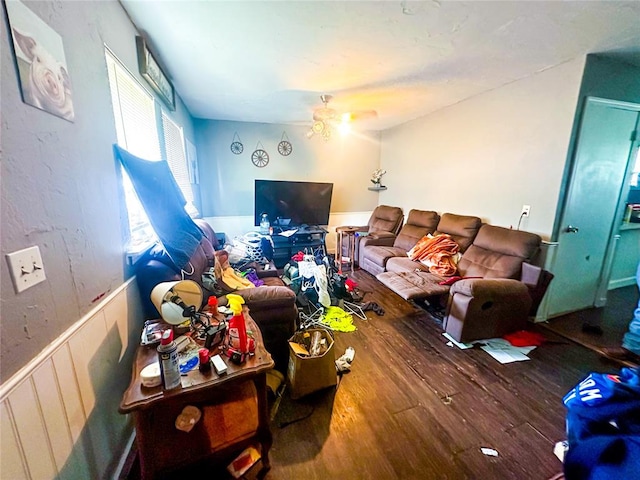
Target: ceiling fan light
x: 318, y: 126
x: 344, y: 128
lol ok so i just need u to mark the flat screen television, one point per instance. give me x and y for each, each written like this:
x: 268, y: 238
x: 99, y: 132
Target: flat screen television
x: 292, y: 204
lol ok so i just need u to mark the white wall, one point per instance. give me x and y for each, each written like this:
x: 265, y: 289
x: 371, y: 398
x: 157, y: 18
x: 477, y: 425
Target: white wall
x: 488, y: 155
x: 227, y: 180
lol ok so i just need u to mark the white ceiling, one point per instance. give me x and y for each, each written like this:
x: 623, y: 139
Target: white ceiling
x: 269, y: 61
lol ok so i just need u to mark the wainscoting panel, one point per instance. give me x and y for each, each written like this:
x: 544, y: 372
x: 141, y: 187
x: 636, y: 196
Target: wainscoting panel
x: 59, y: 413
x: 32, y: 431
x: 53, y: 414
x: 12, y: 465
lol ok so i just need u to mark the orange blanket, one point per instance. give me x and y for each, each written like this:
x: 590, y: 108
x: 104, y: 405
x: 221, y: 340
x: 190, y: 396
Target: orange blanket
x: 439, y: 253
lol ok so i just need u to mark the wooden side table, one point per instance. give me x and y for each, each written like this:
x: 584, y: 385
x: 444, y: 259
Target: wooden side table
x: 350, y: 232
x: 224, y: 402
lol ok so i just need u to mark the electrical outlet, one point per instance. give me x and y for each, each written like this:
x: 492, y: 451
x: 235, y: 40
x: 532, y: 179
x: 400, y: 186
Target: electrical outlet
x: 26, y: 268
x: 526, y: 209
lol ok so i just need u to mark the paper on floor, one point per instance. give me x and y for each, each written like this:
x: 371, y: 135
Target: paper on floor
x: 504, y: 352
x: 498, y: 348
x: 462, y: 346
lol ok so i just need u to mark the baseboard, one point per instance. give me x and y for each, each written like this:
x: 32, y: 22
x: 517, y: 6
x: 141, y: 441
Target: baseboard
x: 621, y: 282
x: 123, y: 469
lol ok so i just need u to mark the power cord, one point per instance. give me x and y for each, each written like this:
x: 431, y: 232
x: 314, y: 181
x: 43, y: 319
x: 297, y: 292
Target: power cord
x: 522, y: 215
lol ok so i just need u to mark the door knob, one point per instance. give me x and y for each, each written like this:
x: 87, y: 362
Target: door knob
x: 571, y: 229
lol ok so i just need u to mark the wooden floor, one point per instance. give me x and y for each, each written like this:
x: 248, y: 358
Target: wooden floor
x: 598, y: 328
x: 414, y: 408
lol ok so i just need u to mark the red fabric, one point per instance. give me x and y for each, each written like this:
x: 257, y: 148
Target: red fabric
x: 454, y: 279
x: 350, y: 284
x: 524, y: 338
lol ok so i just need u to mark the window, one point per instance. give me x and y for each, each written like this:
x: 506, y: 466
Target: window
x: 175, y: 148
x: 137, y: 129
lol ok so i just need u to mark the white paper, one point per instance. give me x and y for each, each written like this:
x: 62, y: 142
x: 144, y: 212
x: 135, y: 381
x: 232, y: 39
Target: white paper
x: 504, y: 352
x: 489, y: 451
x: 462, y: 346
x: 288, y: 233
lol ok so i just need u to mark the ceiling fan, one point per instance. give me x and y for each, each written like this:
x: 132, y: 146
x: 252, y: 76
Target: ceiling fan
x: 325, y: 119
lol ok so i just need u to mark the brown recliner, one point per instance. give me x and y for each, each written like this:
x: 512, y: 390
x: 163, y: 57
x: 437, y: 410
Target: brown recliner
x: 272, y: 306
x: 503, y: 298
x: 384, y: 224
x: 375, y: 254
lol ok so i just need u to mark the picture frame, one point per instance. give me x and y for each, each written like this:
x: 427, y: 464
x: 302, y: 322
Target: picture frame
x: 153, y: 74
x: 48, y: 85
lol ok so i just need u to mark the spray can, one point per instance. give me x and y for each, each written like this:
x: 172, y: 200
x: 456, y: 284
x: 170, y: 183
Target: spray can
x: 237, y: 330
x: 168, y: 360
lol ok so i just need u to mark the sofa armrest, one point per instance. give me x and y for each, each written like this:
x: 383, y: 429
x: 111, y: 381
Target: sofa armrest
x: 379, y: 234
x: 265, y: 297
x: 480, y: 308
x: 537, y: 281
x: 386, y: 241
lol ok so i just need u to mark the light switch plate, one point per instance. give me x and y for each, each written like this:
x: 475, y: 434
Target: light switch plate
x: 26, y: 268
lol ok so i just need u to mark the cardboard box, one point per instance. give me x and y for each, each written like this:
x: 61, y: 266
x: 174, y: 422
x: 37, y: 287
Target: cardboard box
x: 308, y: 374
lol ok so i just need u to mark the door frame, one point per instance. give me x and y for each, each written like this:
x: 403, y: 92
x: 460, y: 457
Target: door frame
x: 600, y: 295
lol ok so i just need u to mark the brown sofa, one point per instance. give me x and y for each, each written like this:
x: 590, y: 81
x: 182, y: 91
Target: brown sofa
x: 385, y: 223
x: 375, y: 253
x: 272, y: 306
x: 461, y: 228
x: 498, y: 300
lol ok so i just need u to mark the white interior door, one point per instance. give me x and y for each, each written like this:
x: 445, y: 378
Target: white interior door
x: 602, y: 153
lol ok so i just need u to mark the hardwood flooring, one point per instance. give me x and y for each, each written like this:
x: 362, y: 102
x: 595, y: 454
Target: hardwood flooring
x: 608, y: 324
x: 414, y: 408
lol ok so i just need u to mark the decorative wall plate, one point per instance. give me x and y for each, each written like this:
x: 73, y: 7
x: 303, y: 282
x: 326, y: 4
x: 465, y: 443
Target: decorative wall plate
x: 260, y: 157
x: 236, y: 144
x: 284, y: 147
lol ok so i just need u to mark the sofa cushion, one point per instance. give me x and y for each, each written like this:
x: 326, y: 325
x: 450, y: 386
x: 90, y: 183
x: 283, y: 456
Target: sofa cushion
x: 386, y: 219
x: 379, y: 254
x: 413, y: 285
x: 404, y: 264
x: 462, y: 228
x: 419, y: 223
x: 498, y: 252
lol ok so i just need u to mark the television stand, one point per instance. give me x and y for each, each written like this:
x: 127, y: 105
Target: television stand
x: 307, y: 238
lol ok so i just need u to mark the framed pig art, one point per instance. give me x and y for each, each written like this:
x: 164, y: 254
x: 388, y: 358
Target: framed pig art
x: 41, y: 62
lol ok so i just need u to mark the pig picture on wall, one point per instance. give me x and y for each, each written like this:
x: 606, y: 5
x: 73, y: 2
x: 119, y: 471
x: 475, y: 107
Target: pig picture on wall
x: 42, y: 66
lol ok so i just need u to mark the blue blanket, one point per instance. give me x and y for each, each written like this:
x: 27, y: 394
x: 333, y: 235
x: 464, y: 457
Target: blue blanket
x: 164, y: 203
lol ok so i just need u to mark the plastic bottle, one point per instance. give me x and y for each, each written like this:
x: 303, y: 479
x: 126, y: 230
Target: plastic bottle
x: 237, y: 329
x: 168, y: 360
x: 203, y: 360
x: 213, y: 306
x: 265, y: 225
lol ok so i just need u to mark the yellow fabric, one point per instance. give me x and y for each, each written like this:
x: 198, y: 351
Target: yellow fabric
x: 227, y: 275
x: 337, y: 319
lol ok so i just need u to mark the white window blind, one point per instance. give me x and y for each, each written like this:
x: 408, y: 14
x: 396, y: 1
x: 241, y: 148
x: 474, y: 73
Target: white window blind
x: 137, y: 132
x: 176, y: 157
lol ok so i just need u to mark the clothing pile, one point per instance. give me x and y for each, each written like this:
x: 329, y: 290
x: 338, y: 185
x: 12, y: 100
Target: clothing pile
x: 603, y: 426
x: 439, y: 253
